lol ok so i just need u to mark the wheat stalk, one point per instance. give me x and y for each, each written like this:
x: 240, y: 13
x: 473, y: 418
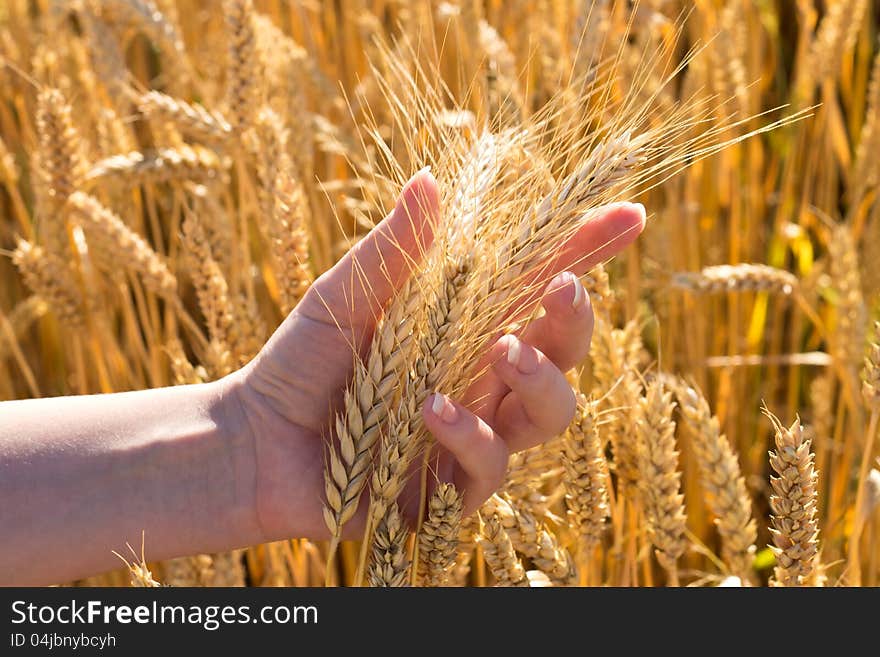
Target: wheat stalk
x: 607, y: 166
x: 9, y: 172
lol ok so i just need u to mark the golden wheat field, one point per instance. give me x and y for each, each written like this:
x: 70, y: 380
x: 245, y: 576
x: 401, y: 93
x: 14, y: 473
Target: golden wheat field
x: 175, y: 175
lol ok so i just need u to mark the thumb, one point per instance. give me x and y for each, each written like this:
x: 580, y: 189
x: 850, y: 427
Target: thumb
x: 354, y: 291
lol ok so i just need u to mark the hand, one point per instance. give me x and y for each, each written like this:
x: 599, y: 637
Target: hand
x: 288, y: 392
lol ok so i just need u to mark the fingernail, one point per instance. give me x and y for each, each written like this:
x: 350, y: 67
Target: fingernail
x: 443, y: 408
x: 516, y: 356
x: 640, y: 208
x: 424, y: 169
x: 514, y: 349
x: 580, y: 295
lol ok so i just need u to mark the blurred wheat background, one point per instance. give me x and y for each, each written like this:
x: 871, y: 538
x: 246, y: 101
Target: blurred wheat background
x: 174, y: 173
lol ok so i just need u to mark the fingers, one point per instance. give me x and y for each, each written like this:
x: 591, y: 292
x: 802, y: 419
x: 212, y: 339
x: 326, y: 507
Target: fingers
x: 563, y: 333
x: 354, y: 291
x: 602, y: 235
x: 541, y: 403
x: 481, y: 454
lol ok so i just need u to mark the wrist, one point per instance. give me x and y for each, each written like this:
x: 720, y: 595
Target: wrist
x: 232, y: 445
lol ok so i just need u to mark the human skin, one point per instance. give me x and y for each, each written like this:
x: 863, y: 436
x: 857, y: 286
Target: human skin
x: 239, y: 461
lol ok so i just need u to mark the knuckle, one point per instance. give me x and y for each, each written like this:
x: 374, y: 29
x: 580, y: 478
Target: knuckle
x: 563, y: 417
x: 496, y: 467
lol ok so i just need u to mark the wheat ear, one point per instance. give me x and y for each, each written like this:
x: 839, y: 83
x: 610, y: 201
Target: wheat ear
x: 606, y: 167
x: 47, y: 275
x: 528, y: 472
x: 389, y: 566
x: 586, y: 475
x: 188, y: 571
x: 660, y: 481
x: 737, y: 278
x: 365, y: 406
x: 244, y: 66
x: 723, y: 482
x: 141, y: 577
x: 794, y: 525
x: 191, y: 118
x: 157, y: 25
x: 864, y: 170
x: 438, y: 539
x: 212, y: 292
x: 187, y: 162
x: 285, y: 211
x: 533, y: 540
x: 407, y: 437
x: 128, y: 249
x: 500, y: 556
x: 59, y: 167
x: 836, y: 34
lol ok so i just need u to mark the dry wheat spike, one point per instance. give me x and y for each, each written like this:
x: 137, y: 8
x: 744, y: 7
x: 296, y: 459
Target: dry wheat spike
x: 723, y: 483
x: 438, y: 539
x: 660, y: 478
x: 794, y: 522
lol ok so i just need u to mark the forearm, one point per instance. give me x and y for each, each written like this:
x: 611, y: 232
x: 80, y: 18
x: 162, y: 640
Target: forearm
x: 81, y: 476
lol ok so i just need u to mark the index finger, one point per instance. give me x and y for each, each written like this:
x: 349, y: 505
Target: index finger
x: 601, y: 236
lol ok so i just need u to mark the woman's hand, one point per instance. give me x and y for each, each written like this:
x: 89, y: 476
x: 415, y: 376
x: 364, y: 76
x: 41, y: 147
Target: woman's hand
x: 288, y: 393
x: 239, y: 461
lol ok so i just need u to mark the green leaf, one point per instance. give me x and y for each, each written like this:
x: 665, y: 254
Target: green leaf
x: 764, y: 559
